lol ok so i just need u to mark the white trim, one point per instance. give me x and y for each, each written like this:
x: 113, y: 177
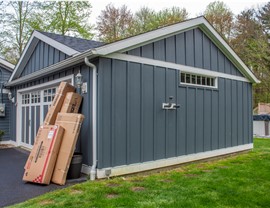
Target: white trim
x: 9, y: 142
x: 184, y: 68
x: 47, y: 84
x: 61, y: 47
x: 7, y: 64
x: 139, y: 167
x: 152, y: 36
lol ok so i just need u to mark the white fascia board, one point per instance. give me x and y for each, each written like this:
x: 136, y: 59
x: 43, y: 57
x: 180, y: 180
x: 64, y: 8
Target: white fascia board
x: 148, y: 37
x: 151, y: 165
x: 155, y: 35
x: 183, y: 68
x: 229, y: 52
x: 7, y: 64
x: 59, y: 46
x: 32, y: 44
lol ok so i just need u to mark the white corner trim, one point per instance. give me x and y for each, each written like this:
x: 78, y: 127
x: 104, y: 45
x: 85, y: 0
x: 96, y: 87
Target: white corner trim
x: 184, y: 68
x: 139, y: 167
x: 7, y: 64
x: 9, y: 142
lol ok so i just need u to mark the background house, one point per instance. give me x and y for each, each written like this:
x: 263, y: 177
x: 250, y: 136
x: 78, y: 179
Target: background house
x: 261, y: 120
x: 172, y: 95
x: 6, y: 69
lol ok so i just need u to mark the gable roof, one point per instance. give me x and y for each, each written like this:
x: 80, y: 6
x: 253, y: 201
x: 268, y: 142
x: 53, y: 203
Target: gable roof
x: 66, y: 44
x: 5, y: 64
x: 143, y: 39
x: 77, y: 44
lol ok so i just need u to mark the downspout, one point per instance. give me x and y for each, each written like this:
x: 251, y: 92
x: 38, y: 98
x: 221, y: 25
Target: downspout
x: 94, y: 119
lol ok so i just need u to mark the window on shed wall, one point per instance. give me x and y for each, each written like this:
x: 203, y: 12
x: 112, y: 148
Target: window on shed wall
x: 198, y: 80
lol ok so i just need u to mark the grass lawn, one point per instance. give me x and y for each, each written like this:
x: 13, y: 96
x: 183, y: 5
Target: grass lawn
x: 236, y: 181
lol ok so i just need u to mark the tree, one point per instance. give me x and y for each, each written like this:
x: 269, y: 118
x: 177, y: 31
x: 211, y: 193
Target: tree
x: 251, y: 44
x: 114, y: 23
x: 147, y: 19
x: 15, y: 28
x: 221, y: 17
x: 264, y: 16
x: 64, y: 17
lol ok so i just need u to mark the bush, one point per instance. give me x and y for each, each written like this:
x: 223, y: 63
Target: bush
x: 2, y: 133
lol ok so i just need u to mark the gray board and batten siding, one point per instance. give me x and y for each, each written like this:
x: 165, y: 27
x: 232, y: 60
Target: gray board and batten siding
x: 44, y: 55
x: 133, y: 127
x: 5, y: 121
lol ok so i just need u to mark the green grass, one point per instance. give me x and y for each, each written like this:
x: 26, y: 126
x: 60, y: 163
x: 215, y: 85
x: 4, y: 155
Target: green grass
x: 236, y: 181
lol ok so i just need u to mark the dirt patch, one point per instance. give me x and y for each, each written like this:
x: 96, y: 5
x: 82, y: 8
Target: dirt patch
x: 76, y: 192
x: 137, y: 188
x: 45, y: 202
x: 166, y: 181
x: 113, y: 185
x: 111, y: 196
x: 191, y: 175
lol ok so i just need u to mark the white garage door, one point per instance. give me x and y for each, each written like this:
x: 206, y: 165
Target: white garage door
x: 32, y: 108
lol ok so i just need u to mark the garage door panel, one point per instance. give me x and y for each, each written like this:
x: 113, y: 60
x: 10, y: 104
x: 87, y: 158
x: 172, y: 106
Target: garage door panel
x: 27, y: 124
x: 45, y: 110
x: 23, y: 124
x: 37, y: 119
x: 33, y: 124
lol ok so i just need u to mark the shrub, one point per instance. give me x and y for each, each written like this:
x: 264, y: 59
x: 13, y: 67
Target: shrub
x: 2, y: 133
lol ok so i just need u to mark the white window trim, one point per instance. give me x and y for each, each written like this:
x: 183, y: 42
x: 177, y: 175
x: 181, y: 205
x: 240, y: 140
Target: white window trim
x: 19, y: 104
x: 198, y: 85
x: 184, y: 68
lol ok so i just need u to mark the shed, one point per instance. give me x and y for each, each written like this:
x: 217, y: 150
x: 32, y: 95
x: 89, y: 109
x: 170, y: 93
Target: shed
x: 165, y: 97
x: 261, y: 127
x: 6, y: 70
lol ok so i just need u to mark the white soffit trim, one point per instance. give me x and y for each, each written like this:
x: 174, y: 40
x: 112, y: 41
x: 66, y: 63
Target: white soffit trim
x: 151, y: 165
x: 30, y: 47
x: 169, y: 65
x: 7, y: 64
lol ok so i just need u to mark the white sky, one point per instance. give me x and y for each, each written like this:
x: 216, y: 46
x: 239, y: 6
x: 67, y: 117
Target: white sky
x: 193, y: 7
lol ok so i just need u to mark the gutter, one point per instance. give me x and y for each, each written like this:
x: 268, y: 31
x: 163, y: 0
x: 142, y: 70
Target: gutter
x: 93, y: 171
x: 53, y: 68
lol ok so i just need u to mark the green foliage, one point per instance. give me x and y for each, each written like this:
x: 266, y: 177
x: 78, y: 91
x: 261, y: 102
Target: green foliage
x: 236, y: 181
x: 221, y: 17
x: 117, y: 23
x: 2, y: 133
x: 64, y: 17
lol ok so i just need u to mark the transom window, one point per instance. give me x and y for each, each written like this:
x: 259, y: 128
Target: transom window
x: 198, y: 80
x: 26, y: 98
x: 49, y: 94
x: 35, y: 97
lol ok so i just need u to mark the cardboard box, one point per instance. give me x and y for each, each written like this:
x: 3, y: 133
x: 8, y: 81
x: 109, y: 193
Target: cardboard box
x: 71, y: 103
x: 71, y: 122
x: 41, y: 161
x: 57, y: 103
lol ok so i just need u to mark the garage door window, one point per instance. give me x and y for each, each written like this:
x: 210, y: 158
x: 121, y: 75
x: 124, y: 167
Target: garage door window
x: 49, y: 94
x: 35, y: 97
x: 26, y: 98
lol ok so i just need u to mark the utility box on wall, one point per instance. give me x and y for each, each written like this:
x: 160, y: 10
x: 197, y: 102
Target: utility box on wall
x: 2, y: 110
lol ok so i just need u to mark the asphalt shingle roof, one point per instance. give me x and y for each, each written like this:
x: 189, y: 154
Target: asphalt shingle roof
x: 78, y: 44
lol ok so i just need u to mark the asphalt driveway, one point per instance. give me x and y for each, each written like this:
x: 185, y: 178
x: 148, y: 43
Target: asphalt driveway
x: 12, y: 189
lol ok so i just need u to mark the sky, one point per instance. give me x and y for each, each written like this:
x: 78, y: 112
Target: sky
x: 193, y: 7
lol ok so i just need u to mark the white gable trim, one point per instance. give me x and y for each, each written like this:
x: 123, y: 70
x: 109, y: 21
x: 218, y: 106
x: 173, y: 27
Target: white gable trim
x: 30, y: 47
x: 179, y: 67
x: 9, y: 66
x: 201, y: 22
